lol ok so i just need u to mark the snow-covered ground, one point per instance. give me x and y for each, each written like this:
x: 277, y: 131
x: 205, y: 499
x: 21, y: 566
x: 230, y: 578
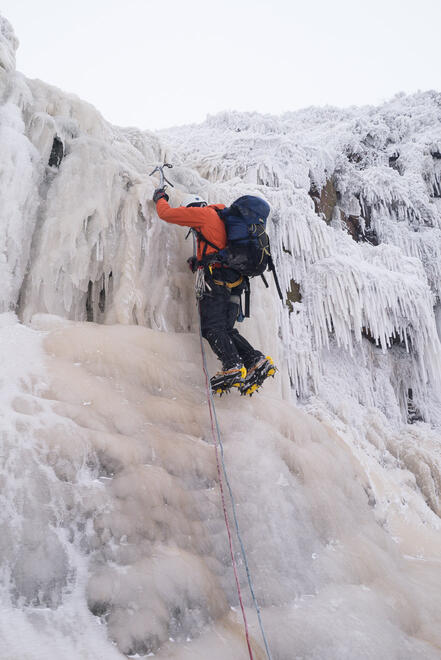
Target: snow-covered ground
x: 112, y: 537
x: 111, y: 503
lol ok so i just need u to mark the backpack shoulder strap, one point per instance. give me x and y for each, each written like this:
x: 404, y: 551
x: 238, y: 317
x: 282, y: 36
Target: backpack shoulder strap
x: 206, y: 242
x: 202, y: 238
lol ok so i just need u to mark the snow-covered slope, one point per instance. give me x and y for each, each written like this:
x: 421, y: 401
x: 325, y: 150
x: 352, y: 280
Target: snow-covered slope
x: 111, y: 506
x: 111, y: 503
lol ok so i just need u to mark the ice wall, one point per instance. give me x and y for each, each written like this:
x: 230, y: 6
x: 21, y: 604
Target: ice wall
x: 111, y: 504
x: 8, y: 45
x: 355, y: 230
x: 113, y: 508
x: 354, y: 227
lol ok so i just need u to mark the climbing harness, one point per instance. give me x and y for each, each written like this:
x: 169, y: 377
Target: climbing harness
x: 229, y: 285
x: 219, y: 451
x: 202, y: 286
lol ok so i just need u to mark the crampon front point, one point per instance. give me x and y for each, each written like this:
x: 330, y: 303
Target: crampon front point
x: 223, y: 381
x: 257, y: 374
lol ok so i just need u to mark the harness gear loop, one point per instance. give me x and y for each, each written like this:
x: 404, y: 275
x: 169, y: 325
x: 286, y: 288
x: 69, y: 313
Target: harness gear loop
x: 201, y: 285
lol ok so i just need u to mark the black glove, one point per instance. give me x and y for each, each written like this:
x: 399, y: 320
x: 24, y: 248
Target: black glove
x: 192, y: 264
x: 160, y: 194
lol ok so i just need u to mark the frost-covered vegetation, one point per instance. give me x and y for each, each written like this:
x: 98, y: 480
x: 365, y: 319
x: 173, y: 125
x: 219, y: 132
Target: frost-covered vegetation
x: 356, y: 230
x: 111, y: 511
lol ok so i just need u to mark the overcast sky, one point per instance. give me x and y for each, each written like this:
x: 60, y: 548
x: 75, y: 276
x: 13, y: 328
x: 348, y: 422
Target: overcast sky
x: 161, y: 63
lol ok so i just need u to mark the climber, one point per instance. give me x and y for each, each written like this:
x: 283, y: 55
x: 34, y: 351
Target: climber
x: 242, y: 366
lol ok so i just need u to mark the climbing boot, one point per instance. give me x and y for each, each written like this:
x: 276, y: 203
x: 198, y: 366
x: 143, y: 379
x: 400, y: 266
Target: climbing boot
x: 223, y: 381
x: 257, y: 374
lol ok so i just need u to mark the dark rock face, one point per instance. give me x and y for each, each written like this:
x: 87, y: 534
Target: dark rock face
x: 395, y: 163
x: 57, y: 152
x: 413, y: 414
x: 324, y: 200
x: 353, y: 226
x: 293, y: 295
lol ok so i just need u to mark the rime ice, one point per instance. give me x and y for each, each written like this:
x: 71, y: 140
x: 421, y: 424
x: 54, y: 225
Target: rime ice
x: 112, y: 539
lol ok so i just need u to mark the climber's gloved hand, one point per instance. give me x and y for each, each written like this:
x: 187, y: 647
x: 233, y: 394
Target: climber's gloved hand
x: 192, y: 264
x: 160, y: 194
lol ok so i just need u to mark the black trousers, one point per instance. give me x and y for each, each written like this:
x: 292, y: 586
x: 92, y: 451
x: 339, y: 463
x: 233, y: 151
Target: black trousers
x: 219, y: 311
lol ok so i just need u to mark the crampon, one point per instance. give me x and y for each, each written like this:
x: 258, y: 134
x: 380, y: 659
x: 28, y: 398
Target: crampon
x: 257, y: 374
x: 223, y: 381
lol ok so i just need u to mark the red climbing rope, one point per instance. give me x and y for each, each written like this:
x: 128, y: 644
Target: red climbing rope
x: 227, y: 523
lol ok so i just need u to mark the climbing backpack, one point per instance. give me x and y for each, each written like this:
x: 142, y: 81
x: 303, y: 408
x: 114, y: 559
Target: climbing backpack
x: 248, y: 246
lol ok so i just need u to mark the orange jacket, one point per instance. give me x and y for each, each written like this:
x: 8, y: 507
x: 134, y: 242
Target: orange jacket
x: 202, y: 218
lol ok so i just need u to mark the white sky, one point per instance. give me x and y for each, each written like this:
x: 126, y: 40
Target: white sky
x: 160, y: 63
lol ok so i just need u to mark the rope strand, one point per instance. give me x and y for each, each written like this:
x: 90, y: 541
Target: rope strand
x: 219, y: 450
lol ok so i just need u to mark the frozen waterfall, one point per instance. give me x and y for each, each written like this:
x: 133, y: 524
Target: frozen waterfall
x: 112, y: 538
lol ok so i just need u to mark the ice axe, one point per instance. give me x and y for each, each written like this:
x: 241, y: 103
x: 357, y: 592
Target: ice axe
x: 162, y: 177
